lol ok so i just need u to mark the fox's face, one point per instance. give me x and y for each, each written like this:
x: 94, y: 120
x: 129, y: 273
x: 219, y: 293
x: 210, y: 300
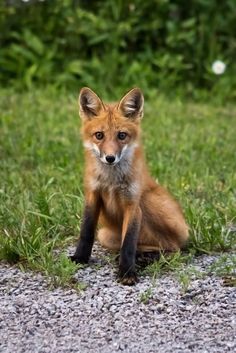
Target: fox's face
x: 111, y: 131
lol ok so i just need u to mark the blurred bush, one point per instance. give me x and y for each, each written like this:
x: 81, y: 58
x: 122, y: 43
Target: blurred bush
x: 164, y: 44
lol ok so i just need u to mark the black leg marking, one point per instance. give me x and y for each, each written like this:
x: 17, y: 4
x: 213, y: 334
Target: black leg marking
x: 85, y: 244
x: 127, y: 274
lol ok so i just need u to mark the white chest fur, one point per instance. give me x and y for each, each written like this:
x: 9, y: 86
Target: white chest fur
x: 118, y: 178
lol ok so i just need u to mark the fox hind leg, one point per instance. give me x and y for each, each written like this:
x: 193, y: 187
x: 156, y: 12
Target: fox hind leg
x: 164, y: 227
x: 109, y: 238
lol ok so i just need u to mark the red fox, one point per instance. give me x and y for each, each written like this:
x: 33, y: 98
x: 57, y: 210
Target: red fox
x: 134, y: 212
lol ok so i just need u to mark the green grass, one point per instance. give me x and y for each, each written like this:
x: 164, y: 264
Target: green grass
x: 190, y: 148
x: 177, y: 263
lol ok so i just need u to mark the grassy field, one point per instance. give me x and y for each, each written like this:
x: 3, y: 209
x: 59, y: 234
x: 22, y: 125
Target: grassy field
x: 190, y: 148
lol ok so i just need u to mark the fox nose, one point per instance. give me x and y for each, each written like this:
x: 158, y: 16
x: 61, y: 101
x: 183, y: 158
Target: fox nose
x: 110, y: 158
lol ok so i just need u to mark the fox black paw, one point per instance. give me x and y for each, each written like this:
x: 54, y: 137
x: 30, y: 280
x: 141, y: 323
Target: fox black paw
x: 78, y: 259
x: 129, y: 279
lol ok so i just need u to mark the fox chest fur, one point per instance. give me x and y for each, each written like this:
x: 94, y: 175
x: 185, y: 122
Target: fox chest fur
x: 116, y: 186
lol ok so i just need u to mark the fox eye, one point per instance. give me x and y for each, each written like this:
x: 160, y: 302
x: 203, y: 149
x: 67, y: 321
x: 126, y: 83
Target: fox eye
x: 99, y: 135
x: 122, y: 135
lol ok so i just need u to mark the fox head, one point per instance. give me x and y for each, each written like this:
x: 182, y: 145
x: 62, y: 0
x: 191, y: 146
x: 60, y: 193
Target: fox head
x: 111, y: 131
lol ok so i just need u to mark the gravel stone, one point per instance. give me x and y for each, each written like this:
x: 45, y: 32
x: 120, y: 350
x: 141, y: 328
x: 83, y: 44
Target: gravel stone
x: 107, y: 317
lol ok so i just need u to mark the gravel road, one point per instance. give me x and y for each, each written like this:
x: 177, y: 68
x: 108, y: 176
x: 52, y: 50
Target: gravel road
x: 153, y: 316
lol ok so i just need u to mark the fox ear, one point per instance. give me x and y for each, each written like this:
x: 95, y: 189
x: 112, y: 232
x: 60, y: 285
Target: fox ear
x: 131, y: 105
x: 89, y: 103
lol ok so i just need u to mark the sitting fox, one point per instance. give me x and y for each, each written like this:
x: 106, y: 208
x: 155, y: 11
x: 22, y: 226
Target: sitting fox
x: 134, y: 212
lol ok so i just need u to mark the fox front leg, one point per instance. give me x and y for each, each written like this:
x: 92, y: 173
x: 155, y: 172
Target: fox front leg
x: 130, y: 233
x: 87, y: 234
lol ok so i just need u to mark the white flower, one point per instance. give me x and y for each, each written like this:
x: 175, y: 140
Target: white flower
x: 218, y: 67
x: 131, y: 7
